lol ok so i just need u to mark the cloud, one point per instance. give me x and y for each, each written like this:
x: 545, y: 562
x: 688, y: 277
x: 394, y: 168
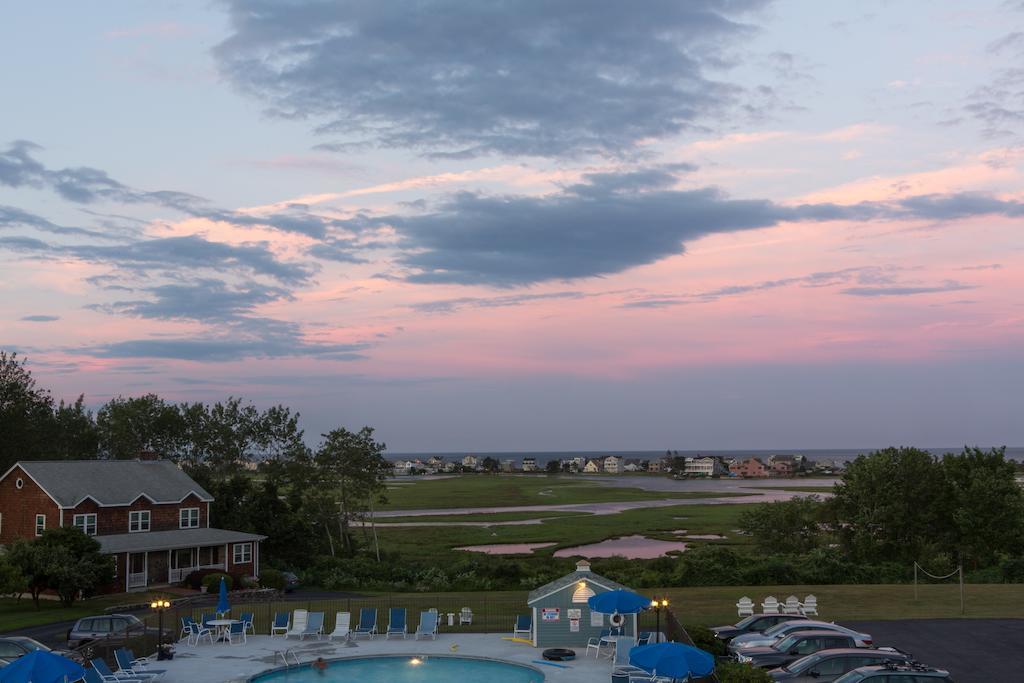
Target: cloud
x: 204, y: 299
x: 610, y: 223
x: 40, y: 318
x: 463, y: 79
x: 907, y: 290
x: 223, y: 349
x: 453, y: 305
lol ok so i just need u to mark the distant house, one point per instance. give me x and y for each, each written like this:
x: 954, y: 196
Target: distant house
x: 529, y: 464
x: 592, y: 467
x: 613, y: 464
x: 148, y: 515
x: 783, y: 465
x: 436, y: 462
x: 470, y: 462
x: 654, y: 466
x: 508, y: 465
x: 633, y: 465
x: 704, y: 467
x: 751, y: 467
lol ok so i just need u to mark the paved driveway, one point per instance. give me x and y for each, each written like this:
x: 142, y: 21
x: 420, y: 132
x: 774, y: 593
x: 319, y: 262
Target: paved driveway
x: 972, y: 650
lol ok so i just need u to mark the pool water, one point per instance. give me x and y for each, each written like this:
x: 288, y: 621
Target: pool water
x: 408, y: 669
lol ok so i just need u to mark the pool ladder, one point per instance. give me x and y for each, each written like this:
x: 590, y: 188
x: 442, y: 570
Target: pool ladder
x: 284, y: 657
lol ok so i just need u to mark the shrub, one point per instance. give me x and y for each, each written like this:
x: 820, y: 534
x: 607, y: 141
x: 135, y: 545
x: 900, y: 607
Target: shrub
x: 212, y: 581
x: 271, y: 578
x: 706, y: 640
x: 734, y: 672
x: 195, y: 579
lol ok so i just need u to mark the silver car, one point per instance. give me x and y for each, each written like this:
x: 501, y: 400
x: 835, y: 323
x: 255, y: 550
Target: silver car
x: 785, y: 628
x: 828, y: 665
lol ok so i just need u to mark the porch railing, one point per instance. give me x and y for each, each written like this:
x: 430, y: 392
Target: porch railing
x: 178, y: 575
x: 137, y: 580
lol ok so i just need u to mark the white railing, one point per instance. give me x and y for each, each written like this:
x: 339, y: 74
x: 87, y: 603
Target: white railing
x: 178, y: 575
x: 137, y: 580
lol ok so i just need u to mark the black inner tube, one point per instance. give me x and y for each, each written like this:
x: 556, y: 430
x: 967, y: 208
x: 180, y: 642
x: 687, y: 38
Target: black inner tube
x: 559, y: 654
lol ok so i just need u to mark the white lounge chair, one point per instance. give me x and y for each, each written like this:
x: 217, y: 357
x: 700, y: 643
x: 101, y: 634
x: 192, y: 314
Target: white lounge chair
x: 396, y: 623
x: 620, y: 659
x: 342, y: 625
x: 428, y: 625
x: 791, y: 606
x: 810, y: 605
x: 314, y: 626
x: 299, y: 618
x: 745, y: 607
x: 466, y: 617
x: 770, y: 605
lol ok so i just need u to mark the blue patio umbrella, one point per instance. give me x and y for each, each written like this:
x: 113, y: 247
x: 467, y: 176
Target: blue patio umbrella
x: 40, y: 666
x: 672, y: 660
x: 618, y: 602
x: 222, y: 599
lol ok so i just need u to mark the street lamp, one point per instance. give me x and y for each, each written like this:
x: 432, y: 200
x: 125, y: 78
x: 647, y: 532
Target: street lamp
x: 160, y: 605
x: 658, y: 605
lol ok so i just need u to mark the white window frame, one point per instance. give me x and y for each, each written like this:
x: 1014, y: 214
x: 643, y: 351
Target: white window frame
x: 241, y: 553
x: 84, y: 526
x: 192, y: 520
x: 40, y: 528
x: 135, y: 518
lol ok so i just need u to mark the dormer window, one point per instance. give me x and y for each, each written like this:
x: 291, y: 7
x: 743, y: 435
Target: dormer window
x: 188, y: 518
x: 87, y: 523
x: 138, y: 520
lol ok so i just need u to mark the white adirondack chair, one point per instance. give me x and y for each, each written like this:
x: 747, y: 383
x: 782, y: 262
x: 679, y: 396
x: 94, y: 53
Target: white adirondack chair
x: 792, y: 605
x: 810, y: 605
x: 745, y: 607
x: 770, y: 605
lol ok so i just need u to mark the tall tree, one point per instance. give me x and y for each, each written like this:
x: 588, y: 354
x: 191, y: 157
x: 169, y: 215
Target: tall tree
x: 351, y: 464
x: 129, y: 426
x: 26, y: 414
x: 76, y: 435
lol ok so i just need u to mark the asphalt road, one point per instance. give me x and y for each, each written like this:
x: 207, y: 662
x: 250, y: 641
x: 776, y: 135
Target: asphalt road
x: 972, y: 650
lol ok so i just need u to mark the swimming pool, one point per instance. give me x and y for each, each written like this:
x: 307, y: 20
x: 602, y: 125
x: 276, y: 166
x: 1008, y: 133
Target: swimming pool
x: 409, y: 669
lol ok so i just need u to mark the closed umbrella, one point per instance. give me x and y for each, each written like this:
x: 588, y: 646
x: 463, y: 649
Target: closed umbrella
x: 672, y: 660
x: 222, y: 599
x: 40, y: 666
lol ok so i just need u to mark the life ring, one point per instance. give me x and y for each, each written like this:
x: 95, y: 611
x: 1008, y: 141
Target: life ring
x: 617, y: 620
x: 559, y: 654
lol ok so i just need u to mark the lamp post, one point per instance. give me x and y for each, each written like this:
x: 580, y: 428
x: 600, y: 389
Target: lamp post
x: 160, y: 605
x: 658, y: 605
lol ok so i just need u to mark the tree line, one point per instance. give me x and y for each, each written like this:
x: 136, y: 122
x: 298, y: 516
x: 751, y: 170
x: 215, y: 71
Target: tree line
x: 307, y: 501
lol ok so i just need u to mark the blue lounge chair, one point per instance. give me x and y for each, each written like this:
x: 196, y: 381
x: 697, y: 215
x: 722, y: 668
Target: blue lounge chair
x: 314, y: 626
x: 428, y: 625
x: 94, y: 676
x: 108, y: 676
x: 367, y: 622
x: 280, y: 625
x: 396, y: 623
x: 523, y: 627
x: 128, y: 666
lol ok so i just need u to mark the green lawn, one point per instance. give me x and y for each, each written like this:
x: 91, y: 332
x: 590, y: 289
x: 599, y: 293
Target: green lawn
x: 801, y: 489
x: 18, y: 614
x: 486, y: 517
x: 482, y: 490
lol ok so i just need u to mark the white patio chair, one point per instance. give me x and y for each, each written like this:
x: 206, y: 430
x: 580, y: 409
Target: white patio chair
x: 466, y: 617
x: 810, y: 605
x: 745, y: 607
x: 770, y: 605
x: 791, y: 606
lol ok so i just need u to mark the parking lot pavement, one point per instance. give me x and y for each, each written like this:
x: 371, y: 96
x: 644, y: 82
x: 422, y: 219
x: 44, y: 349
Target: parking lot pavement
x: 972, y: 650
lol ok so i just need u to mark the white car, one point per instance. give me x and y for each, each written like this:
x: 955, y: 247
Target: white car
x: 781, y: 630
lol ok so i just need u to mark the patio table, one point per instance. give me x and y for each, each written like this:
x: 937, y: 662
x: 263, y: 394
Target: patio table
x: 223, y: 626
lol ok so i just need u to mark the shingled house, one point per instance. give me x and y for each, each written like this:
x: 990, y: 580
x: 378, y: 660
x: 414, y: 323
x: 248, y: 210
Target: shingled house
x: 152, y: 518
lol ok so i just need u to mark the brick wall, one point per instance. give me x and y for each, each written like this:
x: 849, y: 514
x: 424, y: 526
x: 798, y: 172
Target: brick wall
x: 114, y: 520
x: 19, y: 507
x: 247, y: 568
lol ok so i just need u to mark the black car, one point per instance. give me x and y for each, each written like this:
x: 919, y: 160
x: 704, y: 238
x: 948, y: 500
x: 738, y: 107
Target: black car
x: 12, y: 647
x: 755, y: 623
x: 896, y: 673
x: 794, y: 646
x: 829, y: 665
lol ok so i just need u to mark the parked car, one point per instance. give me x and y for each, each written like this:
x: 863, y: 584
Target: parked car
x: 755, y: 623
x: 794, y: 646
x: 787, y: 627
x: 291, y: 582
x: 114, y: 629
x: 896, y: 673
x: 12, y: 647
x: 829, y: 665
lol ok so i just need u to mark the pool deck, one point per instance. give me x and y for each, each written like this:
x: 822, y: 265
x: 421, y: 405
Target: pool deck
x: 221, y: 662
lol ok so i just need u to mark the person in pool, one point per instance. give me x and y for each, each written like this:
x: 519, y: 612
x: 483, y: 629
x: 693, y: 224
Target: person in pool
x: 320, y: 666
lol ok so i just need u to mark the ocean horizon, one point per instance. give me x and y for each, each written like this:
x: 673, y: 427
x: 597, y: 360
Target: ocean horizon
x: 841, y: 454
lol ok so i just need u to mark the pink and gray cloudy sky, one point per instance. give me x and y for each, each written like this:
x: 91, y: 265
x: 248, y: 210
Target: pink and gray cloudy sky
x: 526, y: 225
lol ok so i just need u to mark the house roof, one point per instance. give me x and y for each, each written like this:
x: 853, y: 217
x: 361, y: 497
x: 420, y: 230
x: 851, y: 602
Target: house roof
x: 582, y: 573
x: 171, y: 540
x: 112, y: 482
